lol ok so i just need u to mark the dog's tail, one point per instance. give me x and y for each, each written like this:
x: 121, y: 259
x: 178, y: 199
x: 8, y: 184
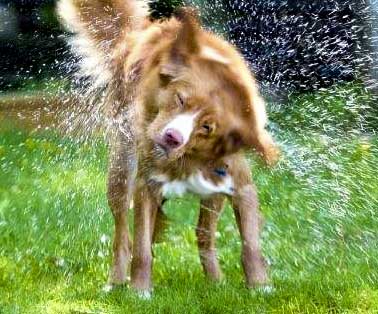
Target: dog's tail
x: 102, y: 21
x: 99, y: 27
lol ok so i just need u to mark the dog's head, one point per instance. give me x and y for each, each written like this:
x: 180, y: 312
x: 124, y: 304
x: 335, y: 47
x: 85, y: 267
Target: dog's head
x: 205, y: 104
x: 201, y: 114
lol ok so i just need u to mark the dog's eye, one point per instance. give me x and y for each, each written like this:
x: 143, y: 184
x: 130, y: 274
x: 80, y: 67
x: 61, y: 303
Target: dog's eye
x: 221, y: 172
x: 180, y: 100
x: 207, y: 127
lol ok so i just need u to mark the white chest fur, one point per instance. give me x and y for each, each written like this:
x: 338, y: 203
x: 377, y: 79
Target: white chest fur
x: 196, y: 184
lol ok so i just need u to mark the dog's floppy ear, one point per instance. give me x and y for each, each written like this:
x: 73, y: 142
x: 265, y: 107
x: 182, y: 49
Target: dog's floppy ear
x: 261, y: 142
x: 184, y: 45
x: 264, y: 145
x: 258, y: 137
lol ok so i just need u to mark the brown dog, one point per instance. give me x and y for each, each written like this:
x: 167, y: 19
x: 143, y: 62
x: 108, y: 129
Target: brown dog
x: 178, y: 97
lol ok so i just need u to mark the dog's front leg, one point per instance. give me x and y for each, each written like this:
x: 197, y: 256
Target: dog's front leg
x: 207, y: 225
x: 120, y: 188
x: 159, y: 223
x: 145, y: 204
x: 245, y: 204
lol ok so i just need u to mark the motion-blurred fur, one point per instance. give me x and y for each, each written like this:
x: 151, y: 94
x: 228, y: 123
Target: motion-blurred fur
x: 180, y: 97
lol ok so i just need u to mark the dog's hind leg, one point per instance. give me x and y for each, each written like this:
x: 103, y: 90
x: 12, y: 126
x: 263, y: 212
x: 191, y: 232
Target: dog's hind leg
x: 210, y: 211
x: 121, y: 179
x: 245, y: 204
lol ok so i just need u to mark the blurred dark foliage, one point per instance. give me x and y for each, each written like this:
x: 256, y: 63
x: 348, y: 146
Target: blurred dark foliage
x: 163, y: 8
x: 291, y: 45
x: 302, y: 45
x: 33, y: 48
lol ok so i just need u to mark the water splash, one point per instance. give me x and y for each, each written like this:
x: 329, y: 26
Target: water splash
x: 319, y: 202
x: 300, y: 45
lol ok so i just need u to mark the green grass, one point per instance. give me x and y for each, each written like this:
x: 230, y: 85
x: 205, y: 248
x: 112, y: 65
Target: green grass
x: 320, y: 235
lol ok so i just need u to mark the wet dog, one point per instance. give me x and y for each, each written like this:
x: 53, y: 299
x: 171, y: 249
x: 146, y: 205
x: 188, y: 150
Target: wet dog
x: 179, y: 98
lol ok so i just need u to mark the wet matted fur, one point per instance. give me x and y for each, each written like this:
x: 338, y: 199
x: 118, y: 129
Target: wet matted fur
x: 162, y: 73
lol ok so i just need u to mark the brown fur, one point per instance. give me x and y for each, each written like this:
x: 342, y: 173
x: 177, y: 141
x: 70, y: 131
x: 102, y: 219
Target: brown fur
x: 245, y: 204
x: 154, y: 71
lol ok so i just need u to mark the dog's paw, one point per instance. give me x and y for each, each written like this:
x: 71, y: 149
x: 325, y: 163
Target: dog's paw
x: 108, y: 288
x: 265, y: 289
x: 111, y: 285
x: 118, y: 279
x: 144, y: 294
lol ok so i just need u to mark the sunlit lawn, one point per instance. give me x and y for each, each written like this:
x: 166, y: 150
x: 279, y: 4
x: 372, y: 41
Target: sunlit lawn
x: 320, y: 235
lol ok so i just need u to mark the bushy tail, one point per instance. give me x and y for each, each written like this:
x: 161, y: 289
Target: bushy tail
x: 98, y: 26
x: 102, y: 21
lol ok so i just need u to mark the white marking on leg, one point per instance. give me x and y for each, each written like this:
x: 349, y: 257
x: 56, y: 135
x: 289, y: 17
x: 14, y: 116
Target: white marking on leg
x: 184, y: 123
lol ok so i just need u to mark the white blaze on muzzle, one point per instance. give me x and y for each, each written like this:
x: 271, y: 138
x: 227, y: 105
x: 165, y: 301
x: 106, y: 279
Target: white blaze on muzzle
x: 183, y: 123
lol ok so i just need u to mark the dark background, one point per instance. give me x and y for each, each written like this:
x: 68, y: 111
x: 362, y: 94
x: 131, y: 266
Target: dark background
x: 31, y: 45
x: 291, y: 45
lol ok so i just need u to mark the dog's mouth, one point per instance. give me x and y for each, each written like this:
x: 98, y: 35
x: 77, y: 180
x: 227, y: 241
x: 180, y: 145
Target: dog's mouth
x: 164, y: 150
x: 160, y: 151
